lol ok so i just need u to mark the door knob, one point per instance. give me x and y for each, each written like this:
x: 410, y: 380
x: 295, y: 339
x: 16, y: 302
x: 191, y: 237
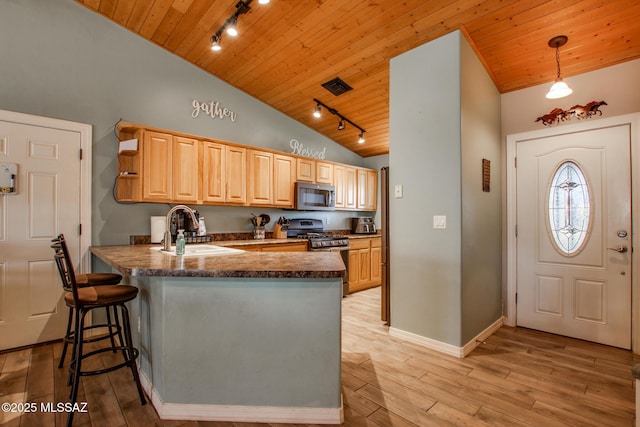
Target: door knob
x: 620, y: 248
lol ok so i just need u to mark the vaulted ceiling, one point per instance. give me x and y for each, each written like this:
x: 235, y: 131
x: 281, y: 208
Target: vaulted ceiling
x: 288, y: 48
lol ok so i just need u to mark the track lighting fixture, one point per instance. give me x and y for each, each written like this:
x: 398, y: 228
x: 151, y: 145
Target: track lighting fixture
x: 215, y: 43
x: 343, y: 119
x: 559, y: 89
x: 230, y: 25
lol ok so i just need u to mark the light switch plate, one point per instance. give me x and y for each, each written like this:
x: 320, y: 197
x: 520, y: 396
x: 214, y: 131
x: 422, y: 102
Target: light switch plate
x: 439, y: 221
x: 397, y: 191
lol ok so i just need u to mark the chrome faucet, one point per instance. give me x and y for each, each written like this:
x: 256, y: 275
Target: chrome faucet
x: 167, y: 232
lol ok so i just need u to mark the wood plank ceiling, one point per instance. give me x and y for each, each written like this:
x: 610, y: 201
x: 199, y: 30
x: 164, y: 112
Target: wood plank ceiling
x: 288, y: 48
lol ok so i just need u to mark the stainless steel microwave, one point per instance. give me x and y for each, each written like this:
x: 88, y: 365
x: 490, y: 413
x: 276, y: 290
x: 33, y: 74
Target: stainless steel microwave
x: 314, y: 197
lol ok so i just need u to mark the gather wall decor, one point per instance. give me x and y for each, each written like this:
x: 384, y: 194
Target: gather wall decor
x: 558, y: 115
x: 212, y: 109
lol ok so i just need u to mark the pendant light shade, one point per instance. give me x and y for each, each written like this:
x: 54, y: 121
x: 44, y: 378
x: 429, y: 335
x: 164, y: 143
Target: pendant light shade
x: 559, y: 89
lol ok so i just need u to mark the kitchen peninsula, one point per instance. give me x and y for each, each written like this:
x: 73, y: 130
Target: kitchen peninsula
x: 247, y: 336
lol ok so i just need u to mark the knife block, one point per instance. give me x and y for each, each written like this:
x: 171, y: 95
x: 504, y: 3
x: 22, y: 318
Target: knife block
x: 278, y: 232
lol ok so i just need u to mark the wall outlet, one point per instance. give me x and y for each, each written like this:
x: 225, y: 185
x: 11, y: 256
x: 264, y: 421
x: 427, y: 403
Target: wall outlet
x: 439, y: 222
x: 397, y: 191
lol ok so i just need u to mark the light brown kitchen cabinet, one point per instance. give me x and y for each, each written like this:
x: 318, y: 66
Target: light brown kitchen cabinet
x: 324, y: 173
x: 236, y: 175
x: 284, y: 174
x: 157, y: 155
x: 185, y: 168
x: 367, y: 189
x: 345, y: 181
x: 350, y: 188
x: 260, y: 178
x: 171, y: 167
x: 213, y: 172
x: 365, y: 269
x: 305, y: 170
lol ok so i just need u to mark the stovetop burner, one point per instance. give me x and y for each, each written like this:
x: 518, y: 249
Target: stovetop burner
x: 311, y: 229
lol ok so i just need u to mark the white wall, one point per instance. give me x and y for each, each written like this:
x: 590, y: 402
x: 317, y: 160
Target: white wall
x: 618, y: 85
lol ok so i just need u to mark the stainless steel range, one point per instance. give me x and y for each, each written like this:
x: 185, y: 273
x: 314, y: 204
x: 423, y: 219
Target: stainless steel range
x: 319, y: 240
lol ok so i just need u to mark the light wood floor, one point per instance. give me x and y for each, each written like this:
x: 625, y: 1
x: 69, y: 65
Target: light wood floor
x: 518, y: 378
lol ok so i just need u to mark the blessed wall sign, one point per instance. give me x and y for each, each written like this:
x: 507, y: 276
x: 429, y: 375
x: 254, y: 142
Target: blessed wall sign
x: 299, y: 149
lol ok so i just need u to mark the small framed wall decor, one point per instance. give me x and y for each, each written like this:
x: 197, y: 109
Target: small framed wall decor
x: 486, y: 175
x: 8, y: 174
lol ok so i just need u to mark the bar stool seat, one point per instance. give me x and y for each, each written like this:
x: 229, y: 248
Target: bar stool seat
x: 98, y: 279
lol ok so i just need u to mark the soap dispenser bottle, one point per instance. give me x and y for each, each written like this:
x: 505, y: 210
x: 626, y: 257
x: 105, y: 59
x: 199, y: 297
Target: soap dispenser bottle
x: 180, y: 243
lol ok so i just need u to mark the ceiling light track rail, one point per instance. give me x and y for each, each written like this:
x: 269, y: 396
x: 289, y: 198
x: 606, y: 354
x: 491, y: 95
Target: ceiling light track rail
x: 242, y: 7
x: 341, y: 126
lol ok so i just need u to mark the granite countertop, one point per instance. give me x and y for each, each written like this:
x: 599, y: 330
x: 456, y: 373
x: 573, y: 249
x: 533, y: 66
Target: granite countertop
x: 146, y: 260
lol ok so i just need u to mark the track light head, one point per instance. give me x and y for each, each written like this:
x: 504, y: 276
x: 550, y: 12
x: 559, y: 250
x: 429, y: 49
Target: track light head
x: 232, y: 30
x: 341, y: 125
x: 361, y: 138
x: 318, y: 111
x: 215, y: 43
x: 263, y: 1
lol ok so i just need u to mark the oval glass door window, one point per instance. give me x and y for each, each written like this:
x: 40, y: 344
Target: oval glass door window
x: 569, y: 208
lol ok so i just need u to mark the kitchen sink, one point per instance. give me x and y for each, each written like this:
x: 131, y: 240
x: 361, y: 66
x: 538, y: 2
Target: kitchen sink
x: 209, y: 250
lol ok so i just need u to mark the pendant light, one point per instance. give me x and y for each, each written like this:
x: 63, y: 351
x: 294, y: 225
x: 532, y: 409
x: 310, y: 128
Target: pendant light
x: 559, y: 89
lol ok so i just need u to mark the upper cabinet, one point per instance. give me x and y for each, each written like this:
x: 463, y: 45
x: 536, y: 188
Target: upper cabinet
x: 306, y: 170
x: 224, y: 174
x: 284, y: 174
x: 168, y: 167
x: 367, y: 189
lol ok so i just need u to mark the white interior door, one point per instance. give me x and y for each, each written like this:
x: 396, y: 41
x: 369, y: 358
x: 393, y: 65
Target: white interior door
x: 47, y: 203
x: 573, y: 208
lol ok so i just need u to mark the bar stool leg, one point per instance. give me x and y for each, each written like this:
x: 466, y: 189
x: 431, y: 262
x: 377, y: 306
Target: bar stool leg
x: 76, y: 362
x: 66, y: 338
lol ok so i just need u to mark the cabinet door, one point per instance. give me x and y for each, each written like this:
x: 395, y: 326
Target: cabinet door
x: 156, y: 170
x: 284, y: 172
x: 354, y: 278
x: 236, y: 177
x: 364, y: 264
x: 367, y: 189
x: 306, y: 170
x: 185, y: 169
x: 324, y: 173
x: 213, y: 172
x: 339, y: 182
x: 350, y: 188
x: 376, y: 262
x: 260, y: 178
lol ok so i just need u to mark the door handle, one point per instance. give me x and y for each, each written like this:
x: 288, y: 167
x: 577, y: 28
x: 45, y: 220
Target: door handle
x: 620, y: 249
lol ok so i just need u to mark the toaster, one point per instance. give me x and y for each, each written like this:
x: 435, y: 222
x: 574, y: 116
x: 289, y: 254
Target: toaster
x: 363, y: 225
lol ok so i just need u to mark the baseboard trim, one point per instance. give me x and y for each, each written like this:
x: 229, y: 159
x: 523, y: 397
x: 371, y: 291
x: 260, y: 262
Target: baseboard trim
x: 235, y: 413
x: 445, y: 348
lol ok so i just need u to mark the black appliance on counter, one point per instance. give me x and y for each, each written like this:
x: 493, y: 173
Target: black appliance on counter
x: 319, y: 240
x: 181, y: 220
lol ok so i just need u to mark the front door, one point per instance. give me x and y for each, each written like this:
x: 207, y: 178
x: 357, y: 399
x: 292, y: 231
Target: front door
x: 573, y: 208
x: 47, y: 202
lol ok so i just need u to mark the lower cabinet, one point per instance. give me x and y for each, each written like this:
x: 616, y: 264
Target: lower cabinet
x: 365, y: 268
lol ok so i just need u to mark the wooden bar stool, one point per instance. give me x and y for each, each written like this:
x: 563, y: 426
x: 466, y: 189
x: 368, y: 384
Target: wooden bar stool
x: 83, y: 300
x: 84, y: 280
